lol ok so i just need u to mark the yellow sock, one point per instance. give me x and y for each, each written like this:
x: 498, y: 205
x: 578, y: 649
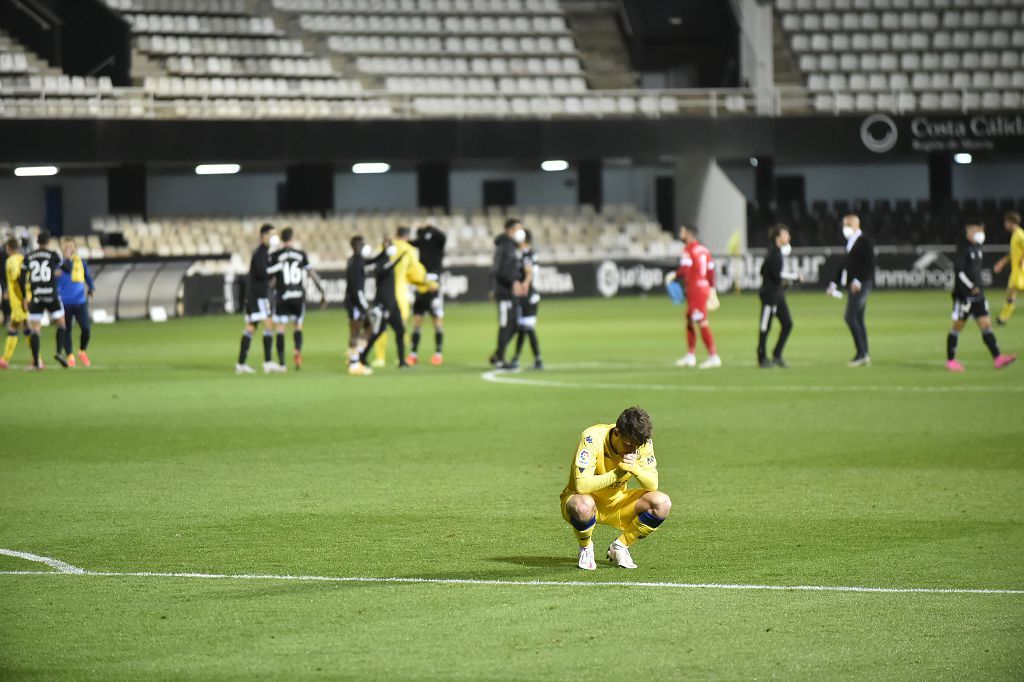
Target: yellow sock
x: 1007, y: 310
x: 642, y: 525
x: 380, y: 349
x: 12, y: 343
x: 584, y: 530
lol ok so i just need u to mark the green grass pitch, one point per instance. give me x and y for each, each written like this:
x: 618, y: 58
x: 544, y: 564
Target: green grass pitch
x: 161, y: 459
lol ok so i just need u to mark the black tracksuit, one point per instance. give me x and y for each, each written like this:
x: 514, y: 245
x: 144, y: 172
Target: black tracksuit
x: 505, y: 273
x: 773, y: 303
x: 385, y: 310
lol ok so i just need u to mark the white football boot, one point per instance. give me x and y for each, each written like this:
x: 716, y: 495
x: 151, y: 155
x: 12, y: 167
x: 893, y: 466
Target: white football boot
x: 587, y: 562
x: 269, y: 367
x: 688, y: 360
x: 619, y: 555
x: 712, y: 362
x: 243, y: 369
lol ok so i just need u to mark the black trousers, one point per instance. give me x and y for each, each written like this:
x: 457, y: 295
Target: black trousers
x: 508, y: 325
x: 381, y: 317
x: 855, y: 307
x: 773, y: 305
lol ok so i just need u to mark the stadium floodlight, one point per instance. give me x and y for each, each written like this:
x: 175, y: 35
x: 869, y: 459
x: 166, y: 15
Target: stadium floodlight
x: 371, y: 167
x: 217, y: 169
x: 35, y: 171
x: 554, y: 165
x: 963, y: 158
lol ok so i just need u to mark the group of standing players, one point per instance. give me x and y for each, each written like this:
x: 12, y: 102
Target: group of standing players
x: 44, y: 283
x: 276, y: 297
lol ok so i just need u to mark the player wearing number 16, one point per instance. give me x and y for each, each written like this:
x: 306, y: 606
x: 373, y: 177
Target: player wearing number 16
x: 289, y: 266
x: 39, y: 271
x: 607, y: 458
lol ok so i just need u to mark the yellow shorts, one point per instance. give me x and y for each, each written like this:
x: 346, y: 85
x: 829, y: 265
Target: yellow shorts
x: 18, y: 314
x: 1016, y: 280
x: 616, y: 510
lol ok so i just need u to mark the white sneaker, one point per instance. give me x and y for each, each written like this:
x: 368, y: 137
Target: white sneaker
x: 688, y: 360
x: 378, y: 363
x: 587, y: 562
x: 243, y: 369
x: 712, y: 362
x: 619, y: 555
x: 269, y: 367
x: 358, y: 369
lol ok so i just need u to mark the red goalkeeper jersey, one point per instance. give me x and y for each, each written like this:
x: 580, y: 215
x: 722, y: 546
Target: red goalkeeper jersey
x: 696, y: 267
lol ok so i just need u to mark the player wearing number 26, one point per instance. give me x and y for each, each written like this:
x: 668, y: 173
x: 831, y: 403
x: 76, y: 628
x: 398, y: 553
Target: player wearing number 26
x: 607, y: 458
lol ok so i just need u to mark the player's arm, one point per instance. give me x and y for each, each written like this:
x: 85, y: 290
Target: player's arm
x: 23, y: 285
x: 711, y: 271
x: 585, y: 480
x: 645, y: 470
x: 685, y: 263
x: 962, y: 262
x: 90, y: 284
x: 308, y: 267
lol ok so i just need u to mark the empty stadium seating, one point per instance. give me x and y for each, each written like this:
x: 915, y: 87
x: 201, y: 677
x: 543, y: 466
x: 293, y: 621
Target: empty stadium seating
x: 907, y: 55
x: 562, y: 234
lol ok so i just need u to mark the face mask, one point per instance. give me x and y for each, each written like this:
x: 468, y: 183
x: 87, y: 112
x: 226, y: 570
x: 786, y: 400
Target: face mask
x: 366, y: 251
x: 786, y: 249
x: 275, y: 241
x: 519, y: 236
x: 391, y: 251
x: 848, y: 231
x: 979, y: 238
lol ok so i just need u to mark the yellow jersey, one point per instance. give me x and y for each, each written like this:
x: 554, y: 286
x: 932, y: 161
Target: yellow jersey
x: 14, y: 278
x: 594, y: 469
x: 1017, y: 251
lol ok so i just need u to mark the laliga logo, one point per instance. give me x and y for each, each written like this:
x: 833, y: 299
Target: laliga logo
x: 870, y: 129
x: 608, y: 279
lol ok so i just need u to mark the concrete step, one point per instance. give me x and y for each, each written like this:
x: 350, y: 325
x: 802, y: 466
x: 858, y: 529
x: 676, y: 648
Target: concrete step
x: 599, y: 45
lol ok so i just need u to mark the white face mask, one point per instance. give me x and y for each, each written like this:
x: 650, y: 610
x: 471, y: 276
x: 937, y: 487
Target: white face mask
x: 786, y: 249
x: 848, y: 231
x: 391, y: 251
x: 979, y: 238
x: 519, y: 236
x: 366, y: 251
x: 275, y: 241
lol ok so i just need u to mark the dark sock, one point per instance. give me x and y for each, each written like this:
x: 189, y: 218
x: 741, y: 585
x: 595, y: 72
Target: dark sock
x: 951, y: 345
x: 243, y: 351
x: 268, y: 346
x: 534, y: 344
x: 280, y: 348
x: 298, y: 339
x: 990, y: 341
x: 400, y: 341
x: 83, y: 344
x: 67, y: 341
x: 438, y: 341
x: 415, y: 336
x: 61, y: 340
x: 520, y: 338
x: 27, y: 332
x: 33, y: 342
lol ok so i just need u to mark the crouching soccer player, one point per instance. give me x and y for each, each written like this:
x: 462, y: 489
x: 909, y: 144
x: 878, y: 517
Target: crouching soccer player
x: 607, y: 458
x: 969, y: 299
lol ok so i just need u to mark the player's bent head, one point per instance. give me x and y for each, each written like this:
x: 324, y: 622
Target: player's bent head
x: 44, y: 237
x: 287, y: 234
x: 1011, y: 221
x: 403, y: 232
x: 634, y: 426
x: 513, y: 224
x: 12, y: 245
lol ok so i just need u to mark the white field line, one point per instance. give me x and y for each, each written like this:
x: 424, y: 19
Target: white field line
x: 516, y: 378
x: 72, y: 570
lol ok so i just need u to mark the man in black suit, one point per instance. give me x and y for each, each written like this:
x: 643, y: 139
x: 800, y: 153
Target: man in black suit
x: 857, y: 276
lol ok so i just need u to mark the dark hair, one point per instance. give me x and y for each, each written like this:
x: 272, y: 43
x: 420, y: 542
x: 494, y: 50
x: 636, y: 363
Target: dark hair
x: 1012, y: 217
x: 403, y: 232
x: 635, y: 424
x: 692, y: 229
x: 529, y: 237
x: 776, y: 230
x: 974, y: 220
x: 287, y: 234
x: 267, y: 227
x: 357, y: 243
x: 13, y: 244
x: 512, y: 222
x: 43, y: 238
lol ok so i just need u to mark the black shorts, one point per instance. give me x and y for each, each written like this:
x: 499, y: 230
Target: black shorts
x: 965, y: 308
x: 430, y: 302
x: 528, y: 306
x: 38, y: 306
x: 257, y: 310
x: 291, y: 310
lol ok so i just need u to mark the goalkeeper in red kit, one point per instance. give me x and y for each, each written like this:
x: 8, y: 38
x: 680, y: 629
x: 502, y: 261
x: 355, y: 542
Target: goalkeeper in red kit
x: 696, y: 271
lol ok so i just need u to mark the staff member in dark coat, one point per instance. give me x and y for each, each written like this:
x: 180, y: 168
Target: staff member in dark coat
x: 505, y: 273
x: 857, y: 276
x: 774, y: 281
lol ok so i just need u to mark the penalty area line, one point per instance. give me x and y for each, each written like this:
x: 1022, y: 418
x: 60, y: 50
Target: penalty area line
x: 79, y: 572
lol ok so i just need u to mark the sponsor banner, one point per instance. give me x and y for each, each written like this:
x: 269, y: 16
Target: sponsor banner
x: 921, y: 268
x: 983, y: 132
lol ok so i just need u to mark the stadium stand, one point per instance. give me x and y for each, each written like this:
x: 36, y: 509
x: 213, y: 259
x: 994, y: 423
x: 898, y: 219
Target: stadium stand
x: 563, y: 234
x: 907, y: 55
